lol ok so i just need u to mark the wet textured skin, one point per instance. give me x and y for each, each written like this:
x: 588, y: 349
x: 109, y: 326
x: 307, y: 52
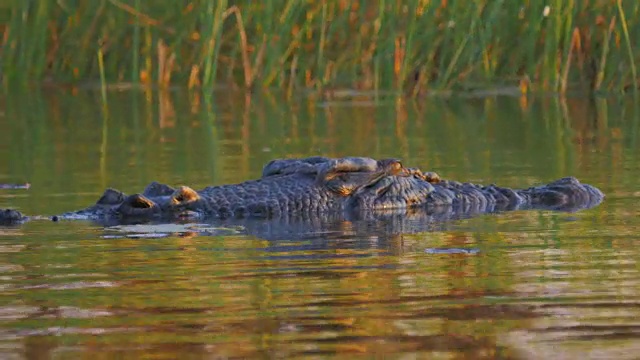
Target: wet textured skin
x: 318, y: 186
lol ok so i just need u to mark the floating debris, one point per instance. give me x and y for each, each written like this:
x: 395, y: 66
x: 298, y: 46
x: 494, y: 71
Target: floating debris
x: 450, y: 251
x: 24, y: 186
x: 155, y: 231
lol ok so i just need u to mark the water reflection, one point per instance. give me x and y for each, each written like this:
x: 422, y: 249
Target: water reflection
x: 512, y: 285
x: 229, y: 140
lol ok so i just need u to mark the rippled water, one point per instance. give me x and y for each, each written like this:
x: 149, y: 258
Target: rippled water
x: 515, y: 285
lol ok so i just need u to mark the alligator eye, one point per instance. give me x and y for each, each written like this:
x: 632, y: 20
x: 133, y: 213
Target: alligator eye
x: 184, y: 194
x: 341, y: 189
x: 344, y: 191
x: 431, y: 177
x: 139, y: 202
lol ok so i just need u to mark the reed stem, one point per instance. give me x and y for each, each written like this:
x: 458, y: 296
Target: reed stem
x: 414, y: 46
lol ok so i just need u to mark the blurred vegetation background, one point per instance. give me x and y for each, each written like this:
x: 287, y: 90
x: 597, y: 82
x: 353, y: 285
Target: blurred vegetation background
x: 413, y: 46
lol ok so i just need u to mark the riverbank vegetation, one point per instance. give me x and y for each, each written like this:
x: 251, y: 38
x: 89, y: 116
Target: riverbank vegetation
x: 413, y: 46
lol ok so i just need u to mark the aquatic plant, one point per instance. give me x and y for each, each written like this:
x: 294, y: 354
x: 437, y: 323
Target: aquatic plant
x: 414, y: 46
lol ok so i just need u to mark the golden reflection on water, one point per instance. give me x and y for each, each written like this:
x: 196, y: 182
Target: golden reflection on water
x: 537, y: 283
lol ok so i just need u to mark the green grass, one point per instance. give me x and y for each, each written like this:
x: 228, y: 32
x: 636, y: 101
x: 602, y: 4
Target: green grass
x: 411, y: 46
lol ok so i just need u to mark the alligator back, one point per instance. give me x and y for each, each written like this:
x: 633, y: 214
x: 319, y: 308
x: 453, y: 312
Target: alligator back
x: 308, y: 186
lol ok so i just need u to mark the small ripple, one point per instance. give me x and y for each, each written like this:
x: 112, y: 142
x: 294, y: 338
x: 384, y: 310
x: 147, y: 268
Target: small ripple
x: 12, y: 248
x: 352, y: 300
x: 473, y: 346
x: 324, y: 273
x: 13, y: 334
x: 65, y: 286
x: 590, y: 332
x: 34, y: 312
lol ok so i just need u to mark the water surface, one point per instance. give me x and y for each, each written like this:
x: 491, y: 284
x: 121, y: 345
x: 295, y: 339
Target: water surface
x: 526, y: 284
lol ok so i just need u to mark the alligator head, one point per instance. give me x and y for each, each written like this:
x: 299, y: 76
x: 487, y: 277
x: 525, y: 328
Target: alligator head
x: 157, y: 201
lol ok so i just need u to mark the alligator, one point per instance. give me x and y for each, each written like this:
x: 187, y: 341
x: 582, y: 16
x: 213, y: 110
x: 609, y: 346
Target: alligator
x: 317, y: 186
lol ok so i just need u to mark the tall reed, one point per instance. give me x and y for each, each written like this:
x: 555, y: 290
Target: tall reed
x: 413, y: 46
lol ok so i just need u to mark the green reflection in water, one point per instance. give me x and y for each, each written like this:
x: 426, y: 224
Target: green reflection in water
x: 539, y: 278
x: 64, y: 145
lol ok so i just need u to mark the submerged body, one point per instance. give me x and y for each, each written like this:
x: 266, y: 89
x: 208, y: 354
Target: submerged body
x: 314, y: 186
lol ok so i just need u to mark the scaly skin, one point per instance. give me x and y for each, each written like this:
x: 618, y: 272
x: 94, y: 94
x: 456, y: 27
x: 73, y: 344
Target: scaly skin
x: 318, y: 186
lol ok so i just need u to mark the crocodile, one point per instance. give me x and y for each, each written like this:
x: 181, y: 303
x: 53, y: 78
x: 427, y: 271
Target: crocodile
x: 316, y: 186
